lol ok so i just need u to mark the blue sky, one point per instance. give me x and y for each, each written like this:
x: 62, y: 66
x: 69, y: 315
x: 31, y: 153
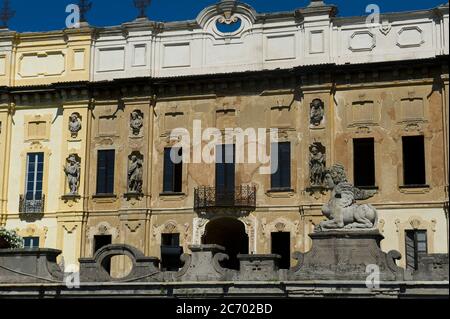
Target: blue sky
x: 43, y: 15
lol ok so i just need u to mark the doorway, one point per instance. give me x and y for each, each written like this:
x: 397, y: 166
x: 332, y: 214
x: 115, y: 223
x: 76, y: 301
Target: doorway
x: 281, y: 245
x: 229, y: 233
x: 101, y: 241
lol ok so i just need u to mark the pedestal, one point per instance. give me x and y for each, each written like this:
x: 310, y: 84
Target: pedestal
x: 347, y: 255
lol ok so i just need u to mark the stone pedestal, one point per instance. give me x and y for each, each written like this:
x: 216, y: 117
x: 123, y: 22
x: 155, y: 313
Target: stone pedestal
x: 432, y: 267
x: 204, y: 264
x: 29, y: 266
x: 259, y: 267
x: 346, y: 255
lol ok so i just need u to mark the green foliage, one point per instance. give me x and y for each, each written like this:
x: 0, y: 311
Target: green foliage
x: 11, y: 239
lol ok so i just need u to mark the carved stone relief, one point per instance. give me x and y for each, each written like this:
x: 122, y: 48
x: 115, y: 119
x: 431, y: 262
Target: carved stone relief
x: 135, y: 173
x: 73, y: 173
x: 136, y: 122
x: 317, y: 112
x: 75, y: 124
x: 317, y: 164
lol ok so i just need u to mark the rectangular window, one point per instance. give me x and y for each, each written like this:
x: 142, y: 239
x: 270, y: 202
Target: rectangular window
x: 171, y: 252
x: 31, y: 242
x: 416, y: 244
x: 34, y: 176
x: 364, y: 162
x: 281, y: 245
x: 414, y: 161
x: 225, y: 174
x: 281, y: 179
x: 173, y: 170
x: 105, y: 172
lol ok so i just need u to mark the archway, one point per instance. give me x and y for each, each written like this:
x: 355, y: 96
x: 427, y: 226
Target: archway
x: 229, y: 233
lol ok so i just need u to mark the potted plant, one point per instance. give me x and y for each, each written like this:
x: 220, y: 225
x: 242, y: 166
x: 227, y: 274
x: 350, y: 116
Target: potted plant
x: 10, y: 239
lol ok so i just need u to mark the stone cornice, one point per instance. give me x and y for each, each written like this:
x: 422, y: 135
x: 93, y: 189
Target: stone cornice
x: 381, y: 73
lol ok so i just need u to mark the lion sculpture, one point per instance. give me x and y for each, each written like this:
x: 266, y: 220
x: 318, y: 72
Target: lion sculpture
x: 342, y: 211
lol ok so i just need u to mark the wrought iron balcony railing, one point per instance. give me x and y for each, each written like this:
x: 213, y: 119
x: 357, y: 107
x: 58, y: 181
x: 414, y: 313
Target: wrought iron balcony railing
x: 31, y: 206
x: 242, y: 197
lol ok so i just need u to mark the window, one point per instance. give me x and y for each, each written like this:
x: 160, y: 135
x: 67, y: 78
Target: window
x: 414, y: 161
x: 105, y: 172
x: 225, y: 174
x: 31, y: 242
x: 34, y: 177
x: 282, y: 178
x: 171, y: 252
x: 101, y: 241
x: 173, y: 171
x: 364, y: 162
x: 416, y: 244
x: 281, y: 245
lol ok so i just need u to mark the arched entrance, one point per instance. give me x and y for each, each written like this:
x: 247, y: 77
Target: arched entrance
x: 229, y: 233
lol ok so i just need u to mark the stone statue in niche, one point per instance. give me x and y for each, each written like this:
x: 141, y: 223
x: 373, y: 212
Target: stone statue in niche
x: 72, y: 170
x: 135, y: 174
x: 74, y: 124
x: 342, y: 211
x: 136, y: 122
x: 317, y: 164
x: 317, y: 113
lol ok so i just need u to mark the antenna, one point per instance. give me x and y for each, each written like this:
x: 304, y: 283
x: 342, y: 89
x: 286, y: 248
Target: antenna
x: 85, y: 6
x: 142, y: 6
x: 6, y: 14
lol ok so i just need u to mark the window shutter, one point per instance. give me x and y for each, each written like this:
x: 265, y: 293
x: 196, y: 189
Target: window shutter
x: 285, y: 159
x: 410, y: 250
x: 275, y: 177
x: 168, y: 172
x: 110, y: 167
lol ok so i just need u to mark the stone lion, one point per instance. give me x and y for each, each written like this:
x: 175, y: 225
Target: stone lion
x: 342, y: 211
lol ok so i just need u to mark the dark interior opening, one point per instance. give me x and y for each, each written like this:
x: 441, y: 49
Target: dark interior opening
x: 281, y: 179
x: 173, y: 171
x: 171, y: 252
x: 364, y: 162
x: 414, y: 160
x: 229, y: 233
x: 281, y: 245
x: 101, y: 241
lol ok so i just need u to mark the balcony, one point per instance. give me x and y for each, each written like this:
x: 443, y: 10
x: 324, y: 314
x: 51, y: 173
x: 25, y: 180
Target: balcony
x: 242, y: 198
x: 31, y: 206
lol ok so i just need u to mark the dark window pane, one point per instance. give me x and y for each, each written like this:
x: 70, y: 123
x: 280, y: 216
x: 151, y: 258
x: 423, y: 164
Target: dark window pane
x: 31, y: 242
x: 173, y: 170
x: 225, y: 169
x: 364, y: 162
x: 414, y: 160
x: 282, y: 178
x: 105, y: 172
x: 34, y: 176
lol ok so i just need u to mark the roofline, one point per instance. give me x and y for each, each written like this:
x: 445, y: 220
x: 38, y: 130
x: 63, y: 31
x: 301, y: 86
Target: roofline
x: 260, y: 17
x: 443, y: 59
